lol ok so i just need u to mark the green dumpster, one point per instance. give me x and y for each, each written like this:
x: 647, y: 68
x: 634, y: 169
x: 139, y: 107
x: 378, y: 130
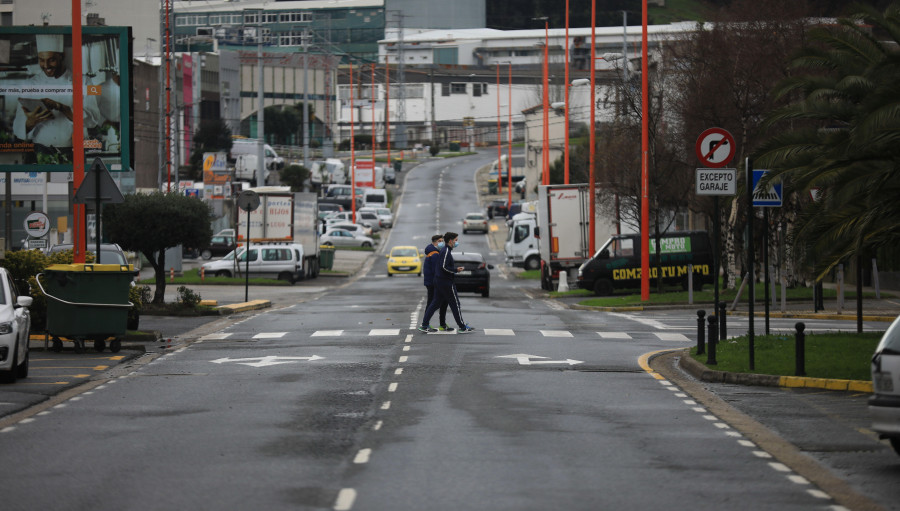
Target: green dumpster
x: 492, y: 186
x: 454, y: 146
x: 87, y: 302
x: 398, y: 165
x: 326, y: 257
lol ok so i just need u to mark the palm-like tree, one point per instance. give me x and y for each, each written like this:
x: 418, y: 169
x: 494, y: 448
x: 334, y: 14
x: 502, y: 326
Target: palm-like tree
x: 841, y: 135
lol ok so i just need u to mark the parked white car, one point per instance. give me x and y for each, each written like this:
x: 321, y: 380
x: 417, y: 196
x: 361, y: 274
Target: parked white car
x: 276, y: 261
x: 341, y: 238
x: 354, y: 228
x: 15, y: 327
x: 368, y: 217
x: 884, y: 405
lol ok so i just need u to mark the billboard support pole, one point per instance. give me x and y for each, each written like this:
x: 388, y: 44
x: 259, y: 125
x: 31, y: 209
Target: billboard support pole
x: 78, y: 210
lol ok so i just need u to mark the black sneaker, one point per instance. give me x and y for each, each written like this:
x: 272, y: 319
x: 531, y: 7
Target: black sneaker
x: 445, y: 328
x: 425, y: 329
x: 465, y: 330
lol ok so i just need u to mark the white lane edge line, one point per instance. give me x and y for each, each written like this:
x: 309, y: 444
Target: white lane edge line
x: 363, y: 456
x: 345, y: 499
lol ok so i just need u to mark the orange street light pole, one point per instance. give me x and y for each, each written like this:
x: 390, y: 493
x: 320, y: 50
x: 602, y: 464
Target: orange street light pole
x: 566, y: 138
x: 352, y: 150
x: 78, y: 210
x: 509, y: 138
x: 645, y: 161
x: 499, y: 142
x: 546, y: 147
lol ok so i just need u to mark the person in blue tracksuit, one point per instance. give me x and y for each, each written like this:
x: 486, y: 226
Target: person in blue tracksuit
x: 431, y: 258
x: 444, y: 288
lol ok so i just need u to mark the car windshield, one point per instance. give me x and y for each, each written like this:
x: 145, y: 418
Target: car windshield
x: 475, y: 216
x: 384, y: 211
x: 403, y: 252
x: 111, y: 257
x: 891, y: 339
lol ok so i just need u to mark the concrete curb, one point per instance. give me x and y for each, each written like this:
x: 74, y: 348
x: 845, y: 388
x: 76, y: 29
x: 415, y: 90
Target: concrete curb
x: 812, y: 315
x: 782, y: 315
x: 243, y: 307
x: 703, y: 373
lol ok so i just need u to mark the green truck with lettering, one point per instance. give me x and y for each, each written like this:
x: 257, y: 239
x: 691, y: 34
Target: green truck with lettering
x: 617, y: 264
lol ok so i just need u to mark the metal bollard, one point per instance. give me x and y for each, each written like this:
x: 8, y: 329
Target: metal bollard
x: 800, y: 350
x: 701, y: 333
x: 723, y: 323
x: 711, y: 348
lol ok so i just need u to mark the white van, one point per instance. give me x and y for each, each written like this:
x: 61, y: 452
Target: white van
x: 270, y: 260
x: 249, y: 146
x: 329, y: 171
x: 375, y: 198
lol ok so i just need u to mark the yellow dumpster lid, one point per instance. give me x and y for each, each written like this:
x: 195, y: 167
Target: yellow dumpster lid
x: 91, y: 267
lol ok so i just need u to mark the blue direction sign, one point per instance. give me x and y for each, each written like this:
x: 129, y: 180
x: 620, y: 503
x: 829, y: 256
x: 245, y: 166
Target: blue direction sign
x: 768, y: 197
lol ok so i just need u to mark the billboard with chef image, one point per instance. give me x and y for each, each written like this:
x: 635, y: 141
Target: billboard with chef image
x: 36, y: 97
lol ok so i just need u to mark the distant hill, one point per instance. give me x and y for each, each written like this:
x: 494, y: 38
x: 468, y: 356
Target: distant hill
x: 519, y: 14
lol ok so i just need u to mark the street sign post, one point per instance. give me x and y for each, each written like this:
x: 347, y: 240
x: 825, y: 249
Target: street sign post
x: 771, y: 196
x: 248, y: 200
x: 715, y: 148
x: 716, y: 182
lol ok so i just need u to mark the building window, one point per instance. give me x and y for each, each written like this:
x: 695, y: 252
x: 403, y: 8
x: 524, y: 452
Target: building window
x: 6, y: 19
x: 445, y: 89
x: 446, y: 56
x: 457, y: 88
x: 479, y: 89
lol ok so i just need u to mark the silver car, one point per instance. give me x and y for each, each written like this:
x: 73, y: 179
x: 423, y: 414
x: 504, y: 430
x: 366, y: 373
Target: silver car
x: 884, y: 405
x: 342, y: 238
x: 15, y: 327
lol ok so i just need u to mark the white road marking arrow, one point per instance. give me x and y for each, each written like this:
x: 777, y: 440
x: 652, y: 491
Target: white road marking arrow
x: 525, y: 360
x: 265, y: 361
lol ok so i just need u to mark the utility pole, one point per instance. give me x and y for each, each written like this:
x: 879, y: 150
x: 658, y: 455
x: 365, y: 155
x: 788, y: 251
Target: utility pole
x: 401, y: 89
x: 260, y: 115
x: 305, y: 43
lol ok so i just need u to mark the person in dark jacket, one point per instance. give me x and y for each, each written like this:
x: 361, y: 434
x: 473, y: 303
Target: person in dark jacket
x: 428, y: 266
x: 444, y: 288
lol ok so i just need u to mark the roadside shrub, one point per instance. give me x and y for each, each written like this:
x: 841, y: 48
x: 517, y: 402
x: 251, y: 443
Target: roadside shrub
x: 188, y: 298
x: 434, y: 149
x: 23, y: 264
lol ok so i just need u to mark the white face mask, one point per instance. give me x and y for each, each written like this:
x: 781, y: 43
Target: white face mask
x: 440, y: 244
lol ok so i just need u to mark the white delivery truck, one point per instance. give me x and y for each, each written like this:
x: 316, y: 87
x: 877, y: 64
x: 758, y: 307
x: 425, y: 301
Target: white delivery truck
x: 244, y: 151
x: 284, y: 217
x: 556, y: 237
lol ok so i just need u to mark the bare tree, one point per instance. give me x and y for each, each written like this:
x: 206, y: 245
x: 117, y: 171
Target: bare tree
x: 726, y: 71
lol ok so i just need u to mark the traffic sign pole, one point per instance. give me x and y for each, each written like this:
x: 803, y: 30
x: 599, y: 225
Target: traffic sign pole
x: 748, y: 165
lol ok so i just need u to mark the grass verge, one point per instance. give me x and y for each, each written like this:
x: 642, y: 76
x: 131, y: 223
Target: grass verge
x: 845, y: 356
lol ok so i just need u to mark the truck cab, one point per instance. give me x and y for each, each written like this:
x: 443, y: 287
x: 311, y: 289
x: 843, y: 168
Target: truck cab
x: 521, y: 247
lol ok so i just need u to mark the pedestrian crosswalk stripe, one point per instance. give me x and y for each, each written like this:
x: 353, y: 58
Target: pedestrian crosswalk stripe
x: 670, y: 337
x: 614, y: 335
x: 215, y: 337
x: 388, y: 331
x: 498, y: 331
x: 556, y: 333
x: 327, y: 333
x: 270, y: 335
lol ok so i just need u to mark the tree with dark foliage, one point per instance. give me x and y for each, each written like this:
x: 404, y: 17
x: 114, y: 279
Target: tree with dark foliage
x: 152, y: 223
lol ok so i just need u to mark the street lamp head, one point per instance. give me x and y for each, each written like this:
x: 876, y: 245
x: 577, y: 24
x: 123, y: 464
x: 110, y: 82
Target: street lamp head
x: 580, y: 81
x: 558, y: 104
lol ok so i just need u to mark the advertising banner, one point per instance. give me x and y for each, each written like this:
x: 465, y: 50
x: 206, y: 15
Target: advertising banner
x: 36, y: 97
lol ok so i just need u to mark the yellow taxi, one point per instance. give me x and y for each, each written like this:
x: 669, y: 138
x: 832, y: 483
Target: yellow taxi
x: 404, y: 259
